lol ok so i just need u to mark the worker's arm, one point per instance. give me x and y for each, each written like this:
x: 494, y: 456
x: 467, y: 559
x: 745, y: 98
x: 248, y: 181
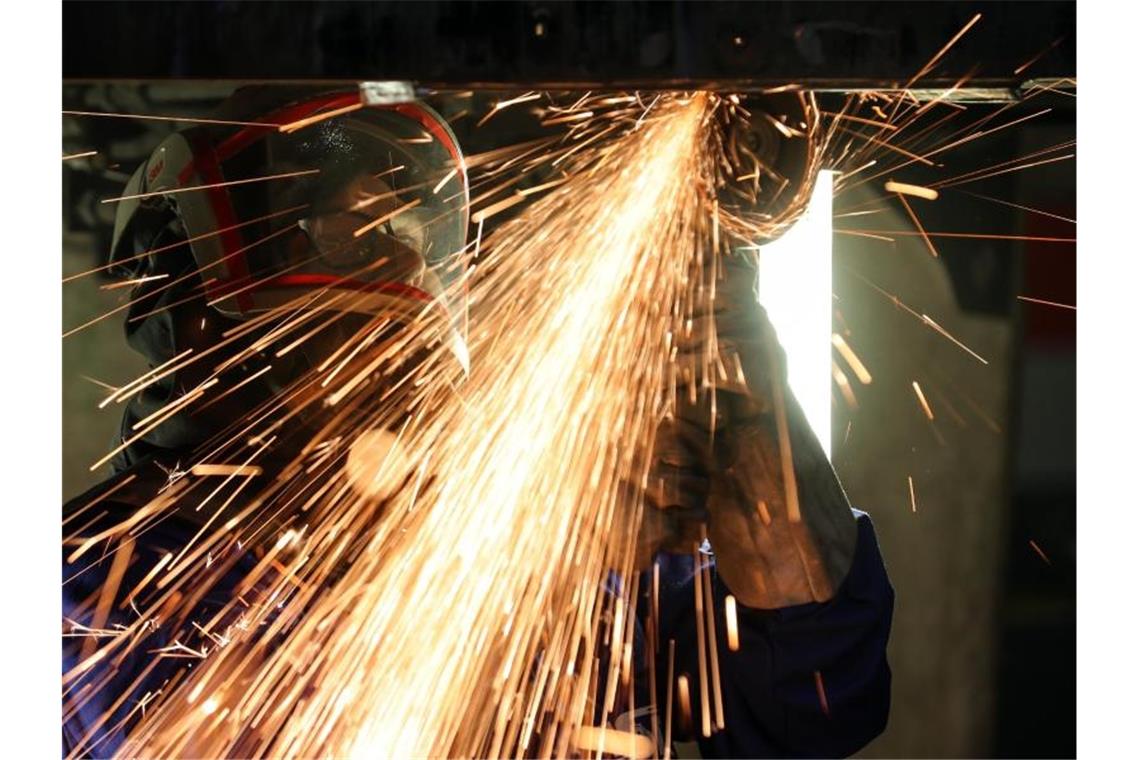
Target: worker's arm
x: 770, y: 694
x: 812, y: 594
x: 728, y: 452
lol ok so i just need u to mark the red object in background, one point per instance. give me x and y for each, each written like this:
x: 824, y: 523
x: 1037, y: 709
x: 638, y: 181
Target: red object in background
x: 1049, y: 273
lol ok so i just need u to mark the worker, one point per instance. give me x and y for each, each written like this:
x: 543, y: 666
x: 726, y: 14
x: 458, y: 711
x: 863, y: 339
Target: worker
x: 813, y: 602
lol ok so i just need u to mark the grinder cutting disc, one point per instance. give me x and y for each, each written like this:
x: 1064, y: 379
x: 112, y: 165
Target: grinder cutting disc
x: 775, y: 153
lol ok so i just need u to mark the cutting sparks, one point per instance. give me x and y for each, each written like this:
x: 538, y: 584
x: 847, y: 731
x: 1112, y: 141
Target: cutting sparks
x: 730, y: 620
x: 1040, y: 553
x: 852, y: 359
x: 430, y: 569
x: 915, y: 190
x: 480, y: 577
x: 922, y: 400
x: 1043, y: 302
x: 821, y: 693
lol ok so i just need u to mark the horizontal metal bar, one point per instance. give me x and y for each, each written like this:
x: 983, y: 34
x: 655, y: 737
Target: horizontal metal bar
x: 841, y: 45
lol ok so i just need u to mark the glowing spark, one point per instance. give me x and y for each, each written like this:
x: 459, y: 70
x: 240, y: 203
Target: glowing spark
x: 1018, y: 168
x: 206, y: 470
x: 840, y: 378
x: 608, y: 740
x: 873, y: 236
x: 945, y: 48
x: 186, y: 119
x: 821, y: 693
x: 1038, y: 56
x: 185, y: 241
x: 910, y: 485
x: 150, y: 423
x: 483, y: 214
x: 921, y: 317
x: 891, y: 147
x: 447, y: 177
x: 684, y: 702
x: 955, y: 144
x: 1030, y: 209
x: 1047, y: 303
x: 385, y: 217
x: 853, y: 360
x: 871, y: 122
x: 730, y: 622
x: 515, y: 101
x: 922, y: 400
x: 1054, y: 87
x: 129, y: 599
x: 966, y: 235
x: 178, y: 649
x: 942, y: 331
x: 714, y: 659
x: 100, y: 383
x: 109, y: 492
x: 73, y: 156
x: 178, y: 403
x: 107, y: 592
x: 780, y: 126
x: 132, y: 283
x: 852, y: 172
x: 543, y: 186
x: 918, y: 225
x: 235, y: 388
x: 669, y: 700
x: 791, y: 494
x: 987, y: 419
x: 499, y: 106
x: 916, y: 190
x: 231, y: 183
x: 301, y: 123
x: 1040, y: 553
x: 765, y: 516
x: 140, y: 382
x: 579, y: 116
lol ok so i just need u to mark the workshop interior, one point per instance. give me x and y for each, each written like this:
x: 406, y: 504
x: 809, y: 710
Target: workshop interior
x: 925, y: 297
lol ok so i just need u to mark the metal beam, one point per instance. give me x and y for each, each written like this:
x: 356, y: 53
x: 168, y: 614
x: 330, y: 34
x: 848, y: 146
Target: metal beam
x: 686, y: 45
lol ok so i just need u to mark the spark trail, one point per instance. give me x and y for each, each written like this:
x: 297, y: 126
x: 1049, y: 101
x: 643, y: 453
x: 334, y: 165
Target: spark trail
x: 468, y: 619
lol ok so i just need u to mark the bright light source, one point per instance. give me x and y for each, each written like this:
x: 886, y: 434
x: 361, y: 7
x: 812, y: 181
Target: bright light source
x: 795, y: 288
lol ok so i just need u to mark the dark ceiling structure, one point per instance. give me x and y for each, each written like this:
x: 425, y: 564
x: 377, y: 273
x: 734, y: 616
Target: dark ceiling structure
x: 724, y: 45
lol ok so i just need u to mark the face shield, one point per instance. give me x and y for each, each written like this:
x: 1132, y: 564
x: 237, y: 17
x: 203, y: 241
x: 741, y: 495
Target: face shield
x: 363, y: 212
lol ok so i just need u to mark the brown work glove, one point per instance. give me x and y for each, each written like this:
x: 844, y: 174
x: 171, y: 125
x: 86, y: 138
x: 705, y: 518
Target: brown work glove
x: 774, y: 546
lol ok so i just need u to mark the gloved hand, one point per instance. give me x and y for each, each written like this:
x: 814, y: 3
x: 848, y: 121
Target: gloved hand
x: 778, y: 540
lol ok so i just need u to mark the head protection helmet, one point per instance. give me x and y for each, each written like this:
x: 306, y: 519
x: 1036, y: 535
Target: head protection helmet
x: 318, y: 202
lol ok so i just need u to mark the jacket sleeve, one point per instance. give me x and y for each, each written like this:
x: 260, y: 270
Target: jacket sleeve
x: 807, y: 681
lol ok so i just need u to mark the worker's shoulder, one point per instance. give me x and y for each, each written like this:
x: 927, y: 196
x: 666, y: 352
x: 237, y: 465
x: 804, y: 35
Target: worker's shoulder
x: 868, y: 537
x: 864, y: 522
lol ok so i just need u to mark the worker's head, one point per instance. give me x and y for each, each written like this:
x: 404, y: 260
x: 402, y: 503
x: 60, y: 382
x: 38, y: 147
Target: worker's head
x: 308, y: 206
